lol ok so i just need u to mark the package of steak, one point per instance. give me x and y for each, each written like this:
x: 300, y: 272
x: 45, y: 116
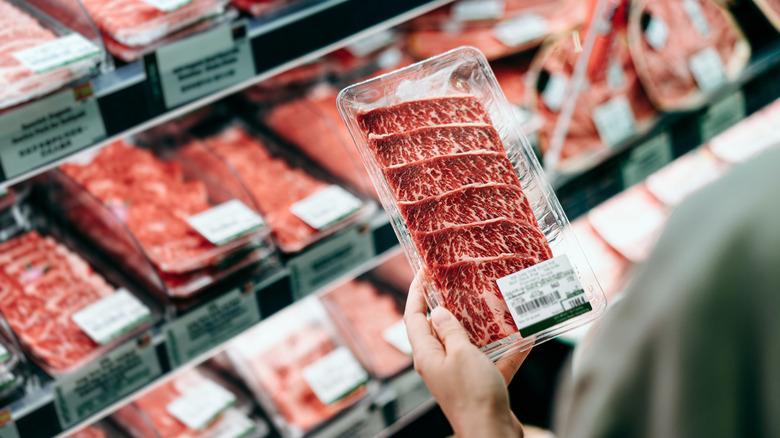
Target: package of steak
x: 469, y: 202
x: 301, y: 204
x: 299, y: 370
x: 140, y: 22
x: 193, y: 403
x: 684, y: 50
x: 369, y: 317
x: 40, y: 54
x: 173, y: 230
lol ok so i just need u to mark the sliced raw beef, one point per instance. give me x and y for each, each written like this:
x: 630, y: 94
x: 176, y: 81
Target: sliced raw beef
x: 468, y: 205
x: 497, y: 237
x: 691, y: 27
x: 429, y: 142
x: 438, y: 175
x: 472, y: 295
x: 414, y: 114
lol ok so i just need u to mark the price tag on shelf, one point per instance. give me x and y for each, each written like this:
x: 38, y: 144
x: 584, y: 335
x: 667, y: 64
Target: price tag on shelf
x: 102, y: 382
x: 544, y: 295
x: 326, y: 207
x: 201, y: 64
x: 555, y: 91
x: 614, y: 121
x: 46, y: 130
x: 330, y: 259
x: 395, y: 335
x: 198, y: 406
x: 7, y: 426
x: 211, y: 325
x: 226, y: 222
x: 646, y: 159
x: 475, y: 10
x: 110, y: 317
x: 657, y: 33
x: 721, y: 115
x: 335, y: 376
x: 521, y: 30
x: 708, y: 70
x: 57, y: 53
x: 167, y: 5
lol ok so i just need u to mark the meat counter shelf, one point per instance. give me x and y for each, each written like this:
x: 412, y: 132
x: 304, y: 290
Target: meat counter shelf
x: 185, y: 75
x: 672, y: 136
x: 100, y: 387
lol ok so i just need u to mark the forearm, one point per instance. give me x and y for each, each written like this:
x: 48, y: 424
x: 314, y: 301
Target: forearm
x: 487, y: 425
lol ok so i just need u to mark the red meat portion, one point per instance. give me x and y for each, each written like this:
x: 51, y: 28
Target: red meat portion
x: 259, y: 7
x: 438, y: 175
x: 429, y: 142
x: 411, y: 115
x: 468, y: 205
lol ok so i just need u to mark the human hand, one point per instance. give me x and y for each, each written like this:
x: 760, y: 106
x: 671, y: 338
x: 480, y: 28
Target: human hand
x: 469, y: 388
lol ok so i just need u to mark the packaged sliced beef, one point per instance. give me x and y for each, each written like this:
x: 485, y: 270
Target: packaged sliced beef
x: 284, y: 192
x: 684, y: 176
x: 44, y: 284
x: 140, y: 22
x: 371, y: 321
x: 612, y: 269
x: 684, y: 50
x: 466, y: 197
x: 23, y: 34
x: 288, y: 361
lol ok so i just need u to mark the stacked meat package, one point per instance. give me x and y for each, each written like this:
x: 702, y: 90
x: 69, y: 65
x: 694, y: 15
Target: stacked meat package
x: 463, y: 215
x: 298, y: 369
x: 159, y: 220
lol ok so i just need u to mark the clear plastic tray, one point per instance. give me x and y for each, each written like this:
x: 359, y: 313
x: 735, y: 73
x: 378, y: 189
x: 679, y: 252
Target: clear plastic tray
x: 19, y: 82
x: 465, y: 71
x: 136, y: 23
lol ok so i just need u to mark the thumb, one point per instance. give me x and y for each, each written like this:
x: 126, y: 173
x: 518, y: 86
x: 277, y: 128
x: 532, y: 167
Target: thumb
x: 448, y: 329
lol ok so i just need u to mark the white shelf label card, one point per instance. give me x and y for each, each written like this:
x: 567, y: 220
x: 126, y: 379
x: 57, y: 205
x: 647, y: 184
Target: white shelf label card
x: 335, y: 376
x: 555, y: 91
x: 326, y: 207
x: 616, y: 77
x: 614, y: 120
x: 167, y: 5
x: 544, y: 295
x: 4, y: 353
x: 226, y: 222
x: 521, y: 30
x: 103, y: 381
x: 395, y: 335
x: 372, y: 43
x: 108, y: 318
x: 46, y: 130
x: 657, y: 33
x: 721, y: 115
x: 7, y: 426
x: 203, y: 64
x: 646, y: 159
x: 57, y: 53
x: 200, y: 405
x: 475, y: 10
x: 708, y: 70
x: 696, y: 15
x: 233, y: 424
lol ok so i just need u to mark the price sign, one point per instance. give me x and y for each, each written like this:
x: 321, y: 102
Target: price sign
x: 721, y: 115
x: 326, y: 207
x: 708, y: 70
x: 335, y: 376
x: 110, y: 317
x: 57, y: 53
x: 198, y: 406
x: 226, y: 222
x: 646, y: 159
x: 614, y: 121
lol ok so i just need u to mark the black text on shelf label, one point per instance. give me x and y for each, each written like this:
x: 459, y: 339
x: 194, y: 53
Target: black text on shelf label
x: 110, y: 317
x: 708, y: 70
x: 7, y: 426
x: 57, y: 53
x: 335, y: 376
x: 326, y: 207
x: 329, y: 260
x: 544, y: 295
x: 521, y: 30
x: 198, y: 406
x: 204, y: 64
x: 721, y: 115
x: 49, y: 129
x: 167, y: 5
x: 105, y: 380
x: 225, y: 222
x: 614, y: 120
x: 395, y: 335
x: 657, y: 33
x: 211, y: 325
x: 647, y: 158
x: 474, y: 10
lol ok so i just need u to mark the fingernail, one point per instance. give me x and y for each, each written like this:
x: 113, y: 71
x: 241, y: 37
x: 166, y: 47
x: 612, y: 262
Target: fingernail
x: 439, y: 316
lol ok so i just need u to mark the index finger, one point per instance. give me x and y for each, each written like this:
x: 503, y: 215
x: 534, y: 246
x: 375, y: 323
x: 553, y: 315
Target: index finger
x: 424, y: 342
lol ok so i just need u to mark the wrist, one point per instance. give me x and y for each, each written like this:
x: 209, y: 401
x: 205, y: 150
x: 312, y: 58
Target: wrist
x: 487, y: 424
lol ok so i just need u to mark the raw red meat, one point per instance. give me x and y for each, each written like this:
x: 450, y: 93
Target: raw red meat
x: 434, y: 141
x: 665, y: 74
x: 467, y: 205
x: 408, y: 116
x: 364, y: 313
x: 259, y: 7
x: 512, y: 81
x: 42, y: 284
x: 435, y: 176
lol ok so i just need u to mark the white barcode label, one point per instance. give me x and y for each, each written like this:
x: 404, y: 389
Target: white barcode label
x: 326, y: 207
x: 708, y: 70
x: 614, y: 120
x: 226, y: 222
x: 474, y: 10
x: 657, y: 33
x: 167, y: 5
x: 396, y: 336
x: 696, y: 15
x: 110, y: 317
x: 555, y: 91
x: 198, y: 406
x: 335, y: 376
x: 544, y: 295
x: 57, y: 53
x: 521, y: 30
x: 615, y: 75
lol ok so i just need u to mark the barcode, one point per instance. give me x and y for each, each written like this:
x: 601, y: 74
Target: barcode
x: 577, y: 301
x: 542, y: 301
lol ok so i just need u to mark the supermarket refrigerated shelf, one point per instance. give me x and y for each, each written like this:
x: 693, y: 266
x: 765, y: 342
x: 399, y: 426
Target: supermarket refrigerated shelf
x: 153, y: 90
x: 671, y: 137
